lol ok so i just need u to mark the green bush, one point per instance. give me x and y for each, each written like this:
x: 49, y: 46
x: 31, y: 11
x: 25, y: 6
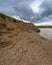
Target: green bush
x: 2, y: 15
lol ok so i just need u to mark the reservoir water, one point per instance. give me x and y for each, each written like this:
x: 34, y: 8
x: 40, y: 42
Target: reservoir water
x: 46, y: 33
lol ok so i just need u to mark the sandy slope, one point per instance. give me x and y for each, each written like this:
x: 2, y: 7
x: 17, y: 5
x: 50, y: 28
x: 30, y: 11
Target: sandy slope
x: 20, y: 44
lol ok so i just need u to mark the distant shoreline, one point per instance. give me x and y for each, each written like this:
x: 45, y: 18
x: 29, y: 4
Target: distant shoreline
x: 44, y: 26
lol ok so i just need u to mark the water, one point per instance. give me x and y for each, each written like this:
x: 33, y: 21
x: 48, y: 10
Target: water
x: 46, y: 32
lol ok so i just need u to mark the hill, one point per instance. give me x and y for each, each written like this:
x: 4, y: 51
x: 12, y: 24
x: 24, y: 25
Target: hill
x: 20, y: 44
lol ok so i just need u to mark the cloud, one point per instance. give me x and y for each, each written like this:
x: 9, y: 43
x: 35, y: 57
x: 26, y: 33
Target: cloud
x: 45, y: 21
x: 43, y: 9
x: 16, y: 17
x: 17, y: 7
x: 46, y: 7
x: 35, y: 6
x: 31, y: 10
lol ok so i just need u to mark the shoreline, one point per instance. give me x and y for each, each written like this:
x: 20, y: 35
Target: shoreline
x: 46, y: 33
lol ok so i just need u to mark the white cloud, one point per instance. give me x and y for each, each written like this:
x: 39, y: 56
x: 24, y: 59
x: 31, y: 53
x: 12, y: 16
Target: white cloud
x: 16, y: 17
x: 35, y: 5
x: 44, y: 23
x: 26, y: 21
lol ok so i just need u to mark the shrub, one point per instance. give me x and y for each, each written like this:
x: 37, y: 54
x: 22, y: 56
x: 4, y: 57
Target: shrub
x: 2, y: 15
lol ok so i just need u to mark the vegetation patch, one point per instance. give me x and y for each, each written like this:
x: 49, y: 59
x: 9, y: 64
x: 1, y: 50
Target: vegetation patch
x: 44, y: 26
x: 3, y: 16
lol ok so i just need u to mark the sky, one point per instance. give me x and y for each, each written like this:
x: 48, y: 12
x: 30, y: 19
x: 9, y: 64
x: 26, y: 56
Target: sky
x: 36, y: 11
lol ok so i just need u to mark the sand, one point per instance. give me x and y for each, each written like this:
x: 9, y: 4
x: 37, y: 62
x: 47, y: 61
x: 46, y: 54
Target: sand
x: 20, y: 44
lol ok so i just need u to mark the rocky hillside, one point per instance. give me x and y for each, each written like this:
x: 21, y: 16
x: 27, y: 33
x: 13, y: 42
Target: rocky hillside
x: 20, y: 44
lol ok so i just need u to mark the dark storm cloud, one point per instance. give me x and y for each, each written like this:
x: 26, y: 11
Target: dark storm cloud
x: 45, y: 13
x: 22, y: 9
x: 46, y: 9
x: 46, y: 6
x: 17, y: 7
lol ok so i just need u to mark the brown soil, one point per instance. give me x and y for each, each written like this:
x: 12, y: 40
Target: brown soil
x: 20, y: 44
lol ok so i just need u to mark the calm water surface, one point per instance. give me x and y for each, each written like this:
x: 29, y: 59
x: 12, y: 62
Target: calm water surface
x: 46, y: 32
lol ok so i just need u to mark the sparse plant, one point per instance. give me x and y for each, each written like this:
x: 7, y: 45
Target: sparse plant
x: 3, y: 16
x: 14, y: 20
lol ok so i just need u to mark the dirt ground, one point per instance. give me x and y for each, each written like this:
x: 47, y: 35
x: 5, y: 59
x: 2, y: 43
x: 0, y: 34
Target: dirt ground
x: 20, y: 44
